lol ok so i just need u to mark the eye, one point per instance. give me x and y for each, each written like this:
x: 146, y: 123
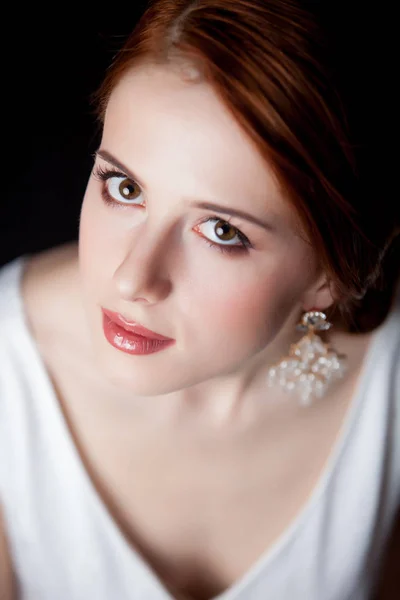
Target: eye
x: 119, y: 190
x: 223, y: 235
x: 117, y: 187
x: 123, y: 188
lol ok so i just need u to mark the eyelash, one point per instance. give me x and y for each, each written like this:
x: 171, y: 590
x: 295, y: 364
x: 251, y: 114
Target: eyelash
x: 104, y: 174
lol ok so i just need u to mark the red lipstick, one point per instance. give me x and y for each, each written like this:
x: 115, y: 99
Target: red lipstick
x: 131, y: 337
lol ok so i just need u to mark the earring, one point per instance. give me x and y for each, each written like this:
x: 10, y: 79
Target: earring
x: 311, y: 365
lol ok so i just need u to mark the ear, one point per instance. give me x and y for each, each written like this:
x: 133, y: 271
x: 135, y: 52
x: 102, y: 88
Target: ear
x: 320, y: 295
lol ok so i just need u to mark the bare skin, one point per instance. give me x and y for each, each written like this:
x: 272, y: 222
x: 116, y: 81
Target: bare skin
x: 210, y: 497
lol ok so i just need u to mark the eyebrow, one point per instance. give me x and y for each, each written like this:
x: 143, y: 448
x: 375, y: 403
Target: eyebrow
x: 108, y: 157
x: 119, y: 165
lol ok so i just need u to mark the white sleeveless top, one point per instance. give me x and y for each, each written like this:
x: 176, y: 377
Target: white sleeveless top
x: 65, y: 545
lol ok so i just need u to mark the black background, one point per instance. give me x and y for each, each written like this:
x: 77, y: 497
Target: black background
x: 52, y: 62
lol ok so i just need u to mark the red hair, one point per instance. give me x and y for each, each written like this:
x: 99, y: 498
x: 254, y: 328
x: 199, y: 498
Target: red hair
x: 274, y: 65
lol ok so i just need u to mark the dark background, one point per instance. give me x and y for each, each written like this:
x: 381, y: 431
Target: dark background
x: 52, y: 62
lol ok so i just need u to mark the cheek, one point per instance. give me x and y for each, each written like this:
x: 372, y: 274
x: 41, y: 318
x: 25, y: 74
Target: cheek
x: 97, y: 236
x: 93, y: 226
x: 253, y: 306
x: 92, y: 249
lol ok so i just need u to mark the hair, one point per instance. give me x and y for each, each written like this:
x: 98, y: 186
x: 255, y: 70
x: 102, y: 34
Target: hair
x: 297, y: 91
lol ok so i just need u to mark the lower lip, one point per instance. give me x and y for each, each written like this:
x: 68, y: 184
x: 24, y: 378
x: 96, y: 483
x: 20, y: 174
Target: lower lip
x: 128, y: 342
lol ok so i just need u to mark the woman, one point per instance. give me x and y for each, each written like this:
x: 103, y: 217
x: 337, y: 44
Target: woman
x: 165, y: 432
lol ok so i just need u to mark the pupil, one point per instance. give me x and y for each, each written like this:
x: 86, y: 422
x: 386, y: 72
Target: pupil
x: 128, y: 189
x: 222, y: 229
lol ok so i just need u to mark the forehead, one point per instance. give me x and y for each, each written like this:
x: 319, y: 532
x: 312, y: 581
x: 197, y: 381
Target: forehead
x: 156, y: 121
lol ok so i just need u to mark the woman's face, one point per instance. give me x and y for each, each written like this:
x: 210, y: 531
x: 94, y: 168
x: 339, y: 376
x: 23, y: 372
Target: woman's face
x: 154, y: 249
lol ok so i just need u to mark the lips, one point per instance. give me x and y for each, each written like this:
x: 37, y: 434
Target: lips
x: 134, y: 327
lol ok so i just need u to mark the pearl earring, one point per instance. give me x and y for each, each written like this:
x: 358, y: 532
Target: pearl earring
x: 311, y: 365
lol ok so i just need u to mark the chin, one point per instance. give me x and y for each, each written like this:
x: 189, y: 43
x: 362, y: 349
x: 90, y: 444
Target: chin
x: 134, y: 385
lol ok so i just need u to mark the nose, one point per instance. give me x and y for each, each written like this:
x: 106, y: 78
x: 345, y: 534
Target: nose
x: 143, y: 276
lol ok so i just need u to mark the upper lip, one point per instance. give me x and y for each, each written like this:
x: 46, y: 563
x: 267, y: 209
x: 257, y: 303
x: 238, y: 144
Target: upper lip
x: 133, y: 326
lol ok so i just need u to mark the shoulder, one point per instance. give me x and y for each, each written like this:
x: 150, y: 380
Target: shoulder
x: 390, y: 343
x: 49, y: 287
x: 38, y: 306
x: 386, y: 341
x: 38, y: 281
x: 54, y: 309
